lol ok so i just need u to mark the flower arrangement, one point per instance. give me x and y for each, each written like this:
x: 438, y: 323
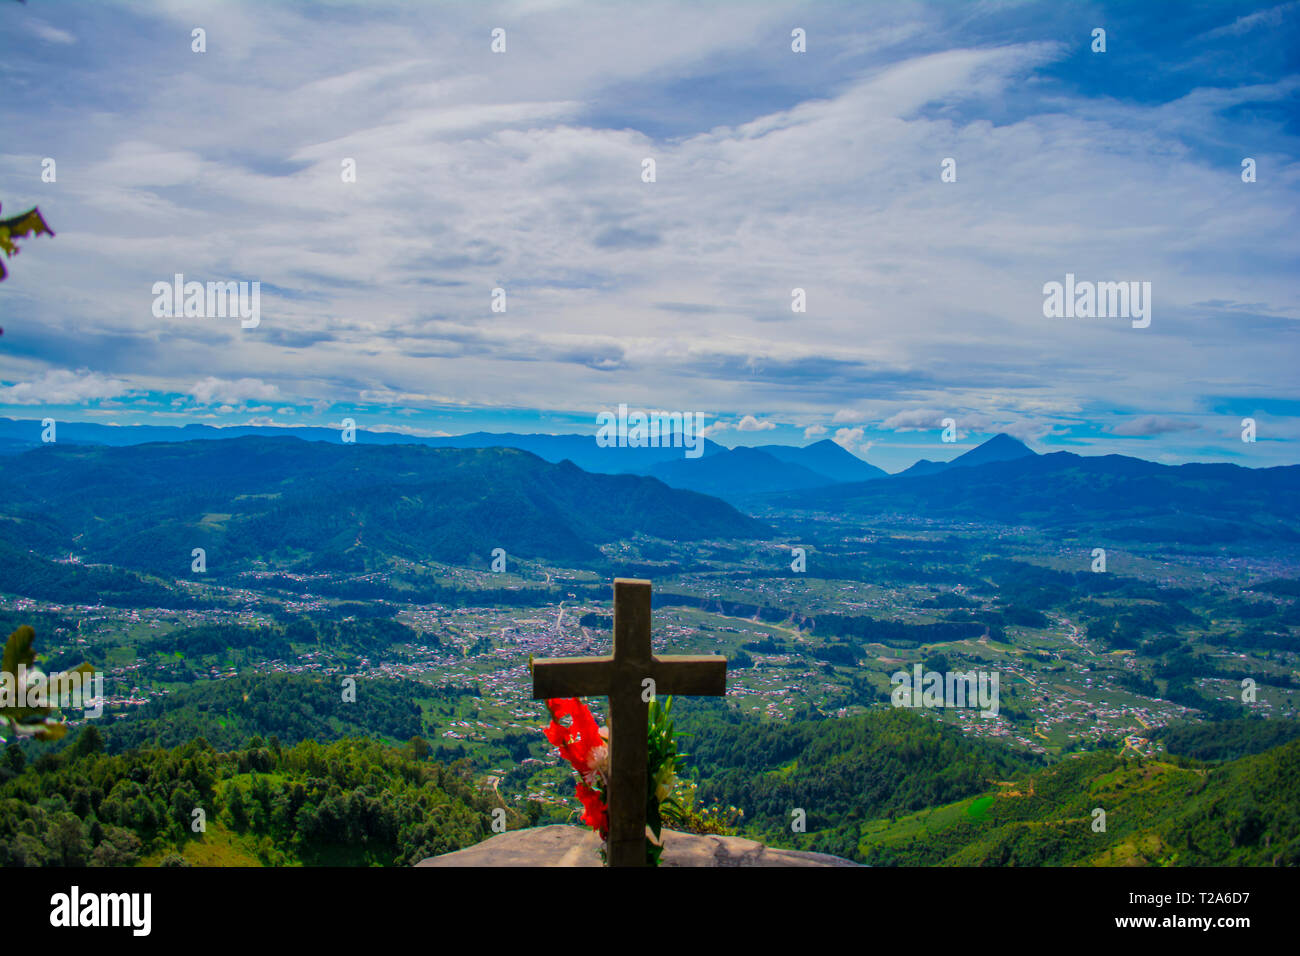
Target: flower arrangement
x: 661, y: 776
x: 585, y: 745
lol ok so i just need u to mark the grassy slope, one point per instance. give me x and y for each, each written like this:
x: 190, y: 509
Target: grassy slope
x: 1158, y: 812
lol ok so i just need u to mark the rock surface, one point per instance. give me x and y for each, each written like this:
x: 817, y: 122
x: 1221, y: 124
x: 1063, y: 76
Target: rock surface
x: 578, y: 846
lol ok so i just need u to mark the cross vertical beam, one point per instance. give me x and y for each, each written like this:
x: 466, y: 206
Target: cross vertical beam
x: 628, y: 718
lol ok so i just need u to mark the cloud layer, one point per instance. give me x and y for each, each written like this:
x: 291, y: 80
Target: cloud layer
x: 774, y: 171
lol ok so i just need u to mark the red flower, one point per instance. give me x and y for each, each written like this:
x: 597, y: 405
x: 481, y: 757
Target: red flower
x: 576, y: 744
x: 597, y: 813
x: 576, y: 741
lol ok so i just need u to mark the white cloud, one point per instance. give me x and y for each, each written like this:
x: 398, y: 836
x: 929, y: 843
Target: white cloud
x: 48, y: 32
x: 407, y: 430
x: 916, y: 419
x: 63, y: 387
x: 751, y: 424
x: 232, y: 391
x: 1029, y: 431
x: 848, y: 438
x: 814, y: 431
x: 1251, y: 21
x: 1148, y: 425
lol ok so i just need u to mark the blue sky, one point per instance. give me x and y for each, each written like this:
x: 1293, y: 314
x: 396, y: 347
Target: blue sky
x: 775, y: 170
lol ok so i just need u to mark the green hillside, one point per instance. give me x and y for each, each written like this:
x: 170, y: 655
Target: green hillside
x: 291, y: 707
x: 326, y: 506
x: 1158, y: 812
x: 348, y: 803
x: 892, y: 788
x: 889, y: 788
x: 839, y: 772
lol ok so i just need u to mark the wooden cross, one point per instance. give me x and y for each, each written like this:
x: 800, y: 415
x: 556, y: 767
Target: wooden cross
x: 621, y: 677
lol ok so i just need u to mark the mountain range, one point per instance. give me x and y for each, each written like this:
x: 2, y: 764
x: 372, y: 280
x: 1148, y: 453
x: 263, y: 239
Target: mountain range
x: 1102, y: 495
x: 257, y: 501
x: 562, y: 496
x: 735, y: 473
x: 17, y: 435
x: 738, y: 473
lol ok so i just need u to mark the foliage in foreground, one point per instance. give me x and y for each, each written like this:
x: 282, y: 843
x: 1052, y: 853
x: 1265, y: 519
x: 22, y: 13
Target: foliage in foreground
x: 29, y: 223
x: 348, y: 803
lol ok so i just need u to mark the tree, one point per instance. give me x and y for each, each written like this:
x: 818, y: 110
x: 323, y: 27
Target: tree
x: 15, y: 759
x: 238, y: 807
x: 68, y: 841
x: 90, y: 741
x: 118, y: 848
x: 25, y: 224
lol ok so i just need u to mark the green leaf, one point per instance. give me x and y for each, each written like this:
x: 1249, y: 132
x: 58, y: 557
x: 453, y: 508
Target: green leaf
x: 18, y: 650
x: 52, y: 732
x: 29, y: 223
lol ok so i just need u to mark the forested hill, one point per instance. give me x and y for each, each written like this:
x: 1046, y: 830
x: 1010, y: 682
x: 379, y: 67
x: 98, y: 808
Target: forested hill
x: 1158, y: 812
x: 1121, y: 497
x: 888, y: 788
x: 348, y: 803
x: 290, y: 707
x: 892, y: 788
x: 839, y: 771
x: 332, y: 505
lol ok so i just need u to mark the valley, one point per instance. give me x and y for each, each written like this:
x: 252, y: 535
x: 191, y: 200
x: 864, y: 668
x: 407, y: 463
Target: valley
x: 1106, y: 664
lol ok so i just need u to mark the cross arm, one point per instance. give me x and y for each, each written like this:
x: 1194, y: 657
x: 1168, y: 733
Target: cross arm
x: 571, y: 677
x: 698, y: 675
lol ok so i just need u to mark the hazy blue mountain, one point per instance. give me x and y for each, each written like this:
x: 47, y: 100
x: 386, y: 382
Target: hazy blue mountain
x: 1111, y: 495
x: 923, y: 467
x: 1001, y: 447
x: 23, y: 434
x: 736, y: 473
x: 582, y: 450
x: 330, y: 505
x: 826, y: 458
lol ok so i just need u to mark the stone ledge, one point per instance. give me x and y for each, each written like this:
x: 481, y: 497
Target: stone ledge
x: 577, y: 846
